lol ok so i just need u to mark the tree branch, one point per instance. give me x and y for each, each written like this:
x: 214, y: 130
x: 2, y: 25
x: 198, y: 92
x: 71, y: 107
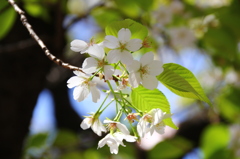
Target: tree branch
x: 38, y: 40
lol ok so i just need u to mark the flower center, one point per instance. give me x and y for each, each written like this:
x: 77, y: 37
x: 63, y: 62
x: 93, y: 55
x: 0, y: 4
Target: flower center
x: 101, y: 63
x: 122, y: 47
x: 143, y: 70
x: 148, y: 118
x: 112, y: 126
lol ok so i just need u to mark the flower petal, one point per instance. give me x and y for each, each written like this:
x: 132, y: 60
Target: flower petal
x: 147, y: 59
x: 155, y: 68
x: 134, y: 67
x: 95, y: 94
x: 111, y: 42
x: 149, y: 81
x: 108, y: 72
x: 130, y: 138
x: 86, y: 123
x: 90, y: 65
x: 126, y: 57
x: 74, y: 81
x: 80, y: 93
x: 114, y: 56
x: 124, y: 35
x: 134, y: 79
x: 134, y: 44
x: 122, y: 128
x: 78, y: 45
x: 97, y: 127
x: 96, y: 51
x: 102, y: 142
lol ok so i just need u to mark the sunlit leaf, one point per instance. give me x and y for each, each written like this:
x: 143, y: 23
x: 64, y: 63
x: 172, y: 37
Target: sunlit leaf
x: 146, y: 100
x: 182, y: 82
x: 137, y: 29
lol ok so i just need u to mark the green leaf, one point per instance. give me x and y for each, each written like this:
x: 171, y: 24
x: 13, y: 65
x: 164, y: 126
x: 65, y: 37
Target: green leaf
x: 215, y: 141
x: 182, y: 82
x: 146, y: 100
x: 170, y: 148
x: 138, y: 30
x: 7, y: 18
x: 228, y: 103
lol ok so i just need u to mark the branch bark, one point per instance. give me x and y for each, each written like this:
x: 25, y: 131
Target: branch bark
x: 38, y: 40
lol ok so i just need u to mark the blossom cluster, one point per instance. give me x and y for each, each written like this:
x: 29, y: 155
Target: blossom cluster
x: 112, y: 60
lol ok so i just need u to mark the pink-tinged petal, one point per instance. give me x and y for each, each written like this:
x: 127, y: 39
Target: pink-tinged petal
x: 114, y: 56
x: 96, y: 51
x: 155, y: 68
x: 126, y: 57
x: 147, y: 59
x: 74, y: 81
x: 134, y: 44
x: 78, y: 45
x: 149, y: 81
x: 123, y: 128
x: 80, y: 93
x: 108, y: 72
x: 124, y: 35
x: 134, y: 79
x: 90, y: 65
x: 111, y: 42
x: 86, y: 123
x: 134, y: 67
x: 95, y: 94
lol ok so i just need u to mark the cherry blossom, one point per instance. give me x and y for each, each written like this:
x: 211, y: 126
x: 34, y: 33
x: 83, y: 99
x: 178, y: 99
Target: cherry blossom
x: 145, y: 71
x: 97, y: 61
x: 181, y: 37
x: 114, y: 140
x: 152, y: 121
x: 113, y: 125
x: 83, y: 86
x: 93, y: 122
x: 163, y: 15
x: 121, y: 46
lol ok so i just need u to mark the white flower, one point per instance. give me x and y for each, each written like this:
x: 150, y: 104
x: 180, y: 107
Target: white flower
x: 176, y: 7
x: 181, y: 37
x: 117, y: 125
x: 94, y: 123
x: 158, y: 125
x: 145, y: 71
x: 163, y: 15
x: 83, y: 86
x: 121, y: 46
x: 152, y: 121
x: 91, y: 64
x: 142, y: 126
x: 82, y: 46
x: 114, y: 140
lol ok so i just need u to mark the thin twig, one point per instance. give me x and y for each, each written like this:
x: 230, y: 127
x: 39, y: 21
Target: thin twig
x: 38, y: 40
